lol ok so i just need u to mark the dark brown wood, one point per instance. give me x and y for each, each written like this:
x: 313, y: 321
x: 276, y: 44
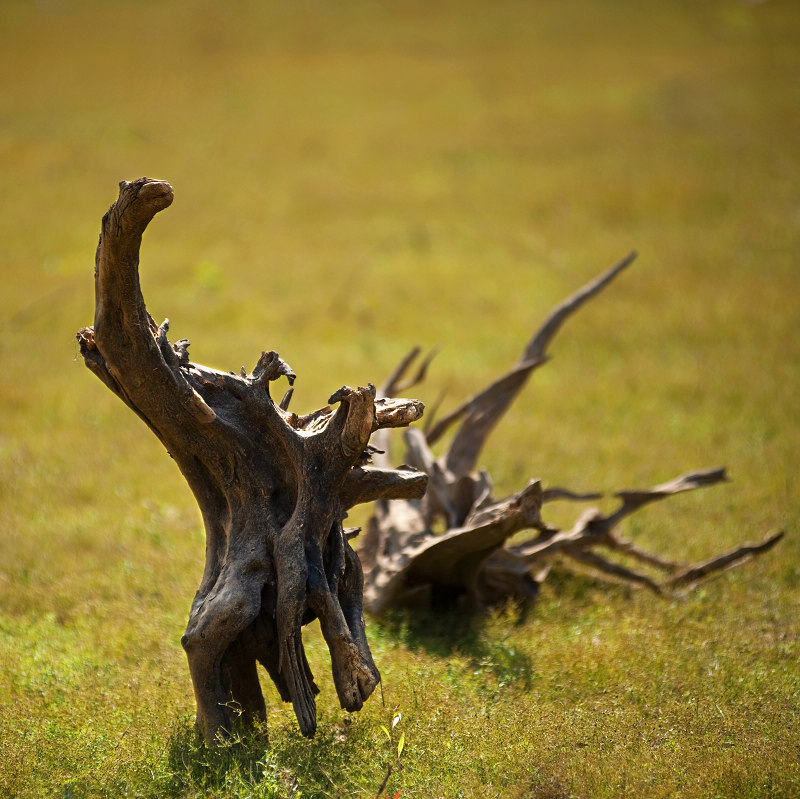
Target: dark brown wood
x: 452, y: 545
x: 273, y: 489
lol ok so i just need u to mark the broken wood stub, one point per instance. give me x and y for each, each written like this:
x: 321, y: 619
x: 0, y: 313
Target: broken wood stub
x: 273, y: 489
x: 452, y: 546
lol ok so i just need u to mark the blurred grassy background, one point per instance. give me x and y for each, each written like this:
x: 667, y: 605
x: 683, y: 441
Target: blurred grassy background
x: 353, y: 179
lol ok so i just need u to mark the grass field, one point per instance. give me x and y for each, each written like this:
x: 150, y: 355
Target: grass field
x: 352, y: 179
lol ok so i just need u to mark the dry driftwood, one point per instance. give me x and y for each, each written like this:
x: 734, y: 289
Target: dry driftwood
x: 407, y: 557
x: 273, y: 489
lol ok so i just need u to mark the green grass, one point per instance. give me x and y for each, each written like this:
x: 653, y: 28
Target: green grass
x: 353, y: 179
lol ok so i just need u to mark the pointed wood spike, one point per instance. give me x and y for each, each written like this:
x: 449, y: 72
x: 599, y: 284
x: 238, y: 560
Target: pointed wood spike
x: 481, y: 413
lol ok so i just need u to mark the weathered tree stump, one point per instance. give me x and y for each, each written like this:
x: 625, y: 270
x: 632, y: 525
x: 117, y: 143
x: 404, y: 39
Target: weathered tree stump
x: 452, y: 546
x: 273, y: 489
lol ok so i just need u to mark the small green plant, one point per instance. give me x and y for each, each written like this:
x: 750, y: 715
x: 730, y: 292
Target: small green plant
x: 396, y: 746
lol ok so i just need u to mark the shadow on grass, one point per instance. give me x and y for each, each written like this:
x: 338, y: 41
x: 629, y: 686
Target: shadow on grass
x: 245, y: 764
x: 444, y: 634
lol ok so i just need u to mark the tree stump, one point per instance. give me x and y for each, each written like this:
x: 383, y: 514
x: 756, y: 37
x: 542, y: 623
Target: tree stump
x: 273, y: 489
x: 452, y: 546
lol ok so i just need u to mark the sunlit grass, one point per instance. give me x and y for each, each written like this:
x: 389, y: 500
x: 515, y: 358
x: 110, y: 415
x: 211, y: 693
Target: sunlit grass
x: 352, y: 180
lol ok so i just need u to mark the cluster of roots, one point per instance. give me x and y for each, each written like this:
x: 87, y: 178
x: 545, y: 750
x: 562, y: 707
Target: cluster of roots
x: 452, y: 546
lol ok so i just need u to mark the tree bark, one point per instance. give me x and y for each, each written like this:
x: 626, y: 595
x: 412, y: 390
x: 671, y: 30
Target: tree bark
x: 408, y: 557
x: 273, y: 489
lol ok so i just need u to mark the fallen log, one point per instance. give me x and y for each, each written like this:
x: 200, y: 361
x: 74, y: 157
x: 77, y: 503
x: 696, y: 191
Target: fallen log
x: 451, y: 546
